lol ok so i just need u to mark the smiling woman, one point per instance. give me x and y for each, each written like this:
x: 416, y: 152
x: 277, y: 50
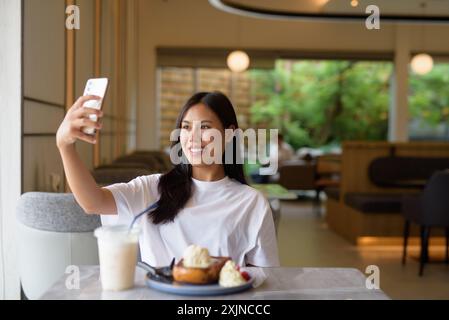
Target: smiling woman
x: 203, y: 111
x: 208, y: 204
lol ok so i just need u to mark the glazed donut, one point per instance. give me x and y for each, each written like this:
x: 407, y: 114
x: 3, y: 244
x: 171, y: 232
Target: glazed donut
x: 199, y: 275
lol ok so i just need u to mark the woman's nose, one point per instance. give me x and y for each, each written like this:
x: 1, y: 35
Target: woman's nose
x: 195, y: 134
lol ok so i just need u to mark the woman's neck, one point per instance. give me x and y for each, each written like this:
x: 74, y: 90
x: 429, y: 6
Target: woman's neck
x: 208, y: 173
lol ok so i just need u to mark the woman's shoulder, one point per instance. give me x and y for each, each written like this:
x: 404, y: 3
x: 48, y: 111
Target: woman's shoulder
x: 249, y: 192
x: 150, y: 178
x: 255, y: 202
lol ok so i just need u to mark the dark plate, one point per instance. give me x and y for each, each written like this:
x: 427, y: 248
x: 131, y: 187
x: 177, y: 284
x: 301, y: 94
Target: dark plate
x: 178, y: 288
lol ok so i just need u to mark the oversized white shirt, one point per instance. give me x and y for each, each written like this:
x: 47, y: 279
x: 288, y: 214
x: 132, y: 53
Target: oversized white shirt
x: 224, y: 216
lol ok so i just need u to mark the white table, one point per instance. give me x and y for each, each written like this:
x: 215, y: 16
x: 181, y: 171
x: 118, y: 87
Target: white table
x: 280, y: 283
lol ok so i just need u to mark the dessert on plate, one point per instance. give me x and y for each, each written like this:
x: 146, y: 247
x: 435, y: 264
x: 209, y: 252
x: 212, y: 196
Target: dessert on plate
x: 198, y: 267
x: 231, y: 276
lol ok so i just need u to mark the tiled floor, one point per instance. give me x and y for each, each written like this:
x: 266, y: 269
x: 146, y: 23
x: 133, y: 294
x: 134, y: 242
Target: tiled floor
x: 305, y: 240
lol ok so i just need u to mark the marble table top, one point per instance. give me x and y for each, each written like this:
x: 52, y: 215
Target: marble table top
x: 270, y: 283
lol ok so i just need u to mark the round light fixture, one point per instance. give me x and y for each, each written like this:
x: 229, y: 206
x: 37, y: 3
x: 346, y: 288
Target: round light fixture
x: 422, y: 63
x: 238, y: 61
x: 354, y: 3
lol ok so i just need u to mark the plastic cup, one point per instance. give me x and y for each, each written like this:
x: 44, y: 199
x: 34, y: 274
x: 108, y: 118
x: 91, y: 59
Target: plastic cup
x: 117, y: 249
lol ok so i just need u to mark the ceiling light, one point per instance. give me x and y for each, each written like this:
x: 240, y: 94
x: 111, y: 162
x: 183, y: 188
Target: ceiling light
x: 238, y: 61
x: 422, y: 63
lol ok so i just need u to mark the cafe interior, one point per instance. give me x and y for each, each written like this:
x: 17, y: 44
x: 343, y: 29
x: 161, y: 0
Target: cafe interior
x: 359, y: 91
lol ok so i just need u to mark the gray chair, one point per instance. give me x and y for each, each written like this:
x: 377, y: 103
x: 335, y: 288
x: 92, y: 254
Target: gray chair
x: 429, y: 210
x: 53, y: 233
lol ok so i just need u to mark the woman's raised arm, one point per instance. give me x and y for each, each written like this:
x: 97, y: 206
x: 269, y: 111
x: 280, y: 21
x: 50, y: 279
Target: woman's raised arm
x: 90, y: 197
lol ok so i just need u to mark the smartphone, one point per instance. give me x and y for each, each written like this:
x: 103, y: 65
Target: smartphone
x: 97, y: 87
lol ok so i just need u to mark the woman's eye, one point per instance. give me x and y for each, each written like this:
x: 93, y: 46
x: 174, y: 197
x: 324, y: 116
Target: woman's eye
x: 185, y: 126
x: 205, y: 127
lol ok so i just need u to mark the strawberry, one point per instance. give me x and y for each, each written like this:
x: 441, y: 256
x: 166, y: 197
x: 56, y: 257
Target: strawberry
x: 245, y: 275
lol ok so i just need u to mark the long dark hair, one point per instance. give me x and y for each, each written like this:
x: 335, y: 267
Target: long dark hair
x: 175, y: 186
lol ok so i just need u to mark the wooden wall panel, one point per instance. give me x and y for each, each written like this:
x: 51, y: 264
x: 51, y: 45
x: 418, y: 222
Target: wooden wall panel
x: 44, y: 93
x: 41, y: 164
x: 44, y: 22
x: 41, y: 118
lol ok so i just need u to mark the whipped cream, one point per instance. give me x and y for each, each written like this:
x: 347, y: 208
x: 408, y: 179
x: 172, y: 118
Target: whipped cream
x: 196, y: 257
x: 230, y: 276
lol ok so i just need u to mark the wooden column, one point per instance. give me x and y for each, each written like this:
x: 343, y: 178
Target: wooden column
x: 69, y: 64
x: 399, y: 108
x: 124, y: 79
x: 118, y: 75
x: 97, y: 71
x: 69, y: 71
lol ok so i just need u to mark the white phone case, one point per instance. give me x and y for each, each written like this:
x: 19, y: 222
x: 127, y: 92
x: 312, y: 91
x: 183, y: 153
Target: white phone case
x: 95, y: 87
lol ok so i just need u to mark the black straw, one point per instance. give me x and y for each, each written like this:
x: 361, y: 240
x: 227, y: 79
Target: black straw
x: 151, y: 207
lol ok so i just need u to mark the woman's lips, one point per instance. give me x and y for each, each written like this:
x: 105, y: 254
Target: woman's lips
x: 196, y: 151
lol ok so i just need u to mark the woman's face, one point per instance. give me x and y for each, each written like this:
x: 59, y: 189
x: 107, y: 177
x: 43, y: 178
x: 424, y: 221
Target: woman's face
x: 199, y: 128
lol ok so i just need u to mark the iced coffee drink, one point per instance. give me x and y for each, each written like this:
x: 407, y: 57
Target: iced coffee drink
x: 117, y: 249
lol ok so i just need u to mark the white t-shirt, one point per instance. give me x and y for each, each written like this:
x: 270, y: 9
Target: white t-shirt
x: 225, y: 216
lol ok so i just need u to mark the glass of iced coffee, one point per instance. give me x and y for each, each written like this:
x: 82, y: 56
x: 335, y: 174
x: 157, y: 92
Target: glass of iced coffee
x: 117, y: 249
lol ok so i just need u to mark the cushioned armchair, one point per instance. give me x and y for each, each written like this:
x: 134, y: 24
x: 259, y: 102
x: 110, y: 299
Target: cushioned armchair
x: 53, y: 233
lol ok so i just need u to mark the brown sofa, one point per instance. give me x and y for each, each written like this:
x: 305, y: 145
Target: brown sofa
x: 374, y: 177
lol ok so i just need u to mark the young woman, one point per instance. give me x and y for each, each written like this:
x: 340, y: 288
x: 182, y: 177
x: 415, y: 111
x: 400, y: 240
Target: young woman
x: 209, y: 205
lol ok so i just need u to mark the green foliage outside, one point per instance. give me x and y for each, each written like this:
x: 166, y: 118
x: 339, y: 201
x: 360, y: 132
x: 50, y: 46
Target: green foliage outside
x: 429, y: 96
x: 316, y: 103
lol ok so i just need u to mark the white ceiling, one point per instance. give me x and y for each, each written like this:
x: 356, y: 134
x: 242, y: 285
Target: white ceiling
x: 387, y: 7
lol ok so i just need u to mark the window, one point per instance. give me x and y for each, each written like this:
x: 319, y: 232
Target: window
x: 177, y: 84
x: 429, y: 104
x: 314, y: 103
